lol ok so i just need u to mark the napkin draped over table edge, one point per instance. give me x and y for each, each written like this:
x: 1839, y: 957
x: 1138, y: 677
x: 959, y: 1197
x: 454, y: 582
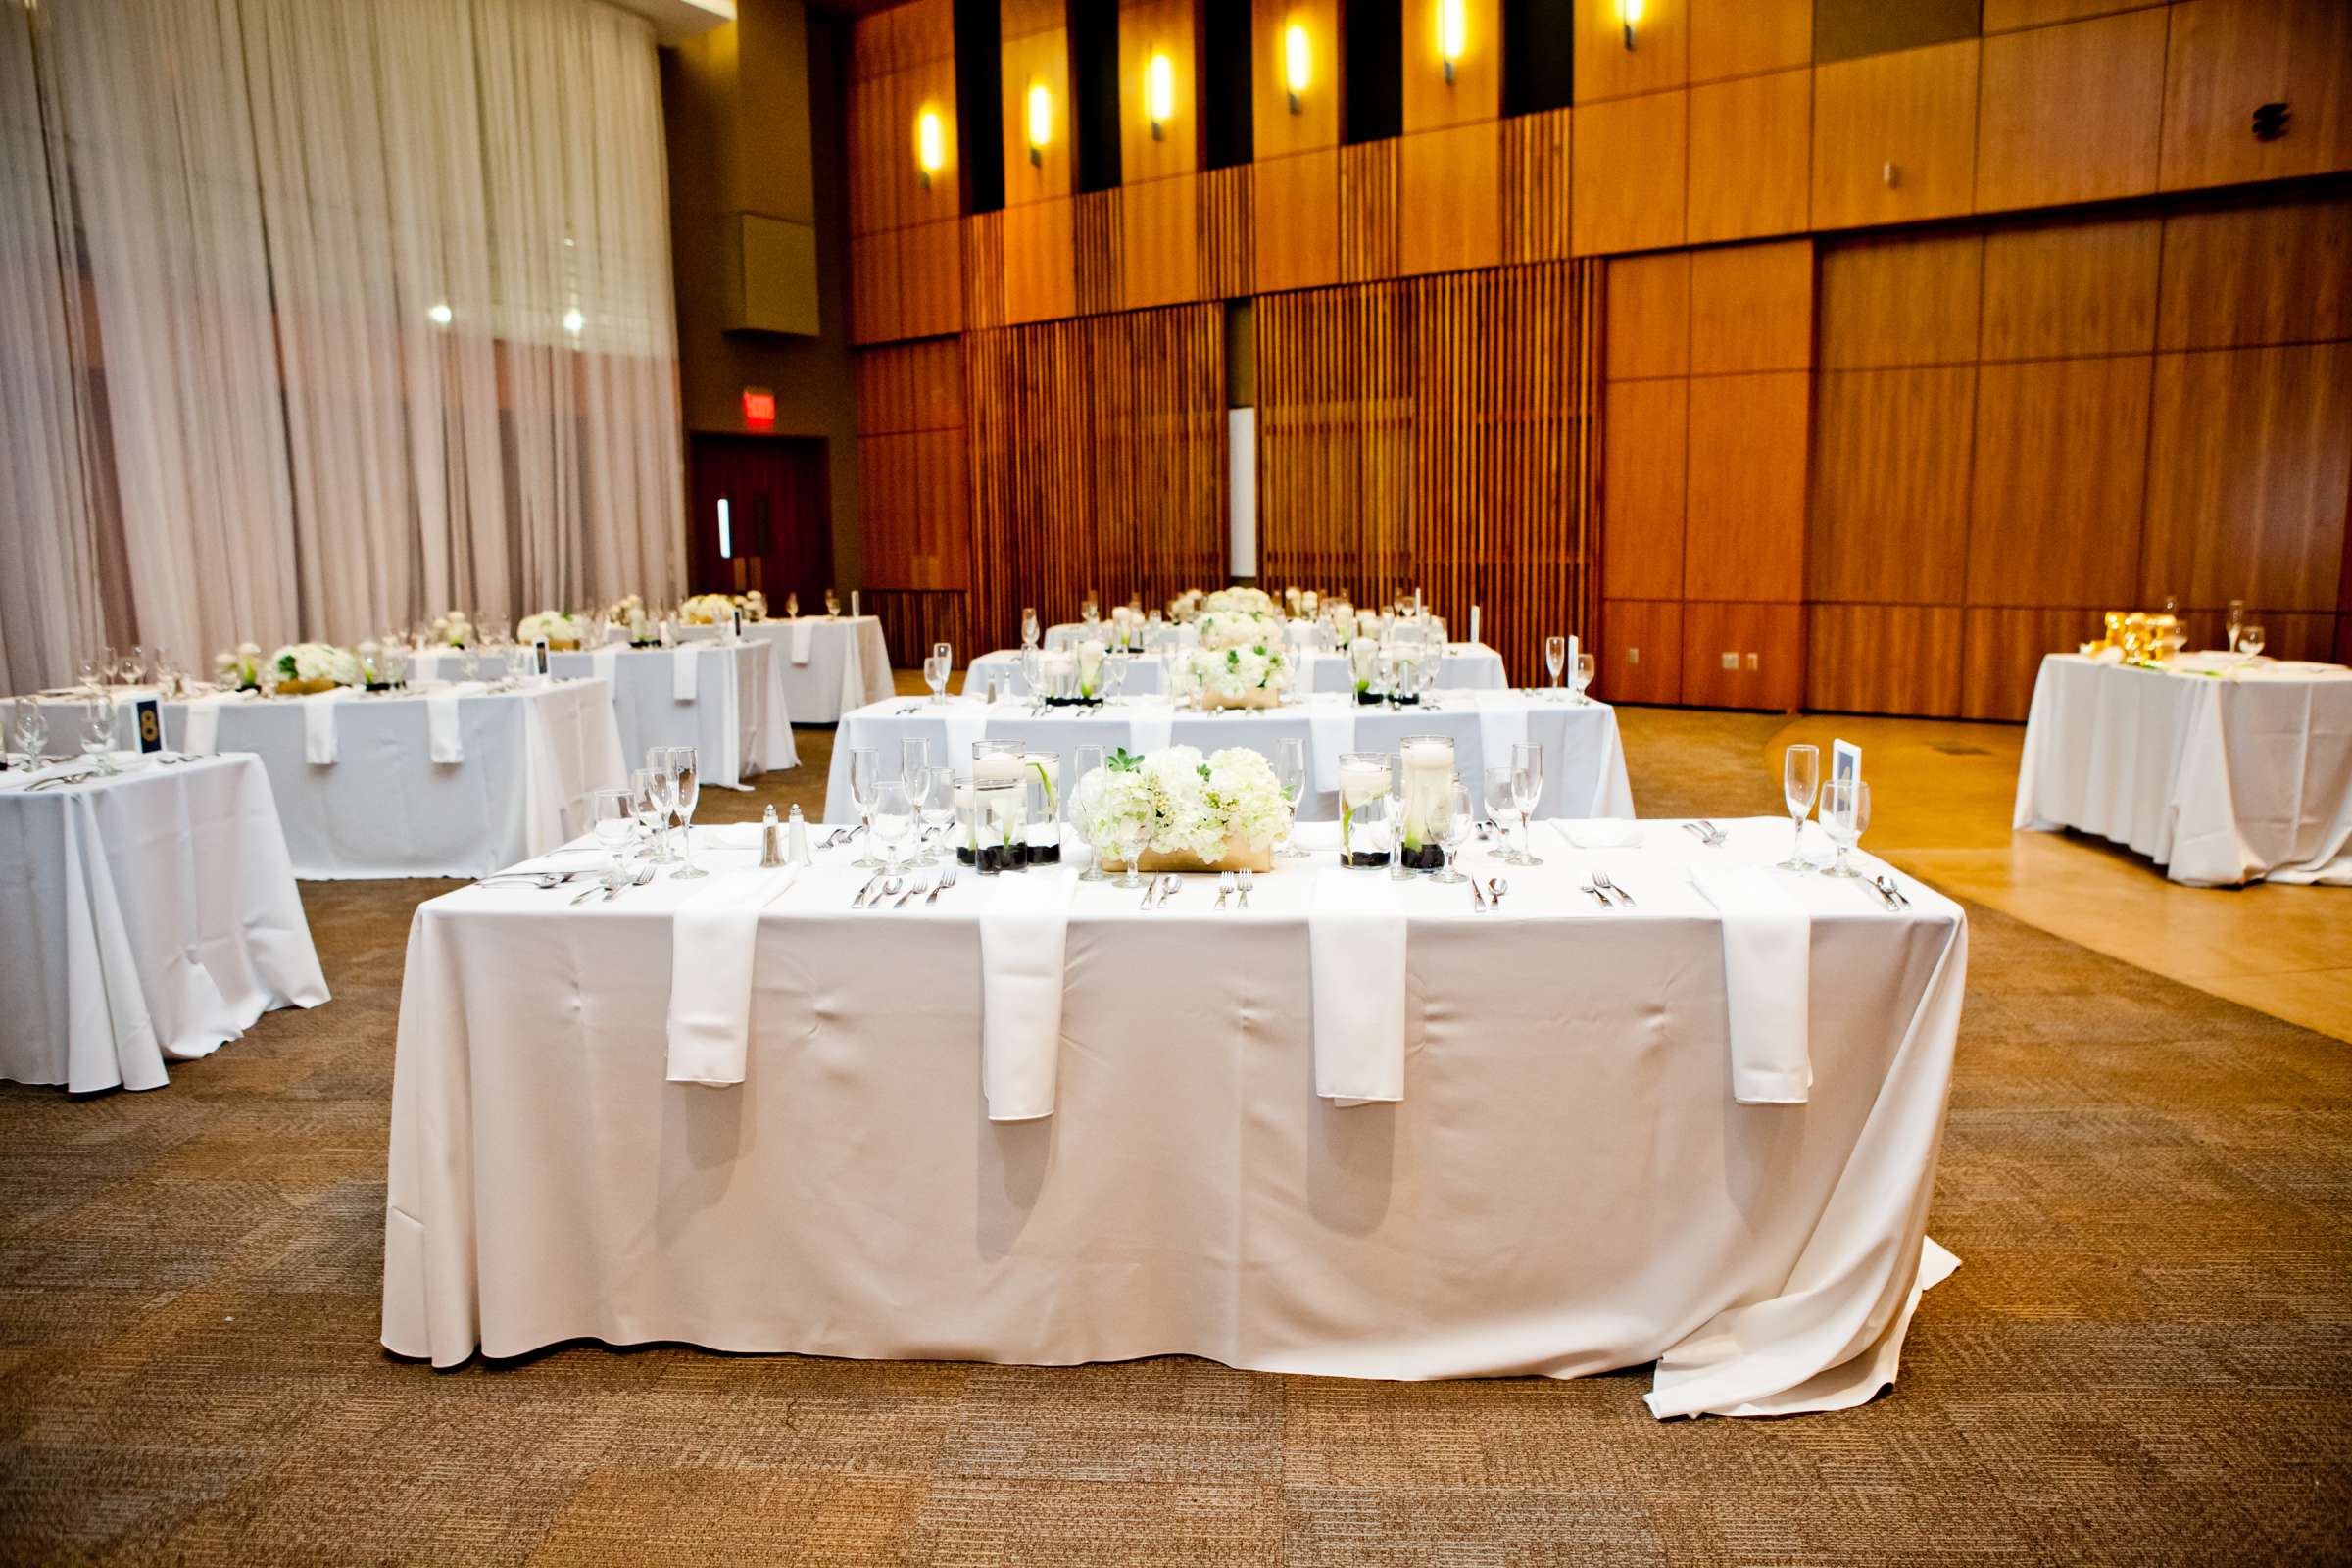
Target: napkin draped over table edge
x: 1355, y: 934
x: 1767, y: 983
x: 1024, y: 942
x: 714, y: 938
x: 682, y: 672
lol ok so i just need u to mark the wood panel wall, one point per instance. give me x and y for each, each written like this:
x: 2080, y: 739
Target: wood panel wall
x: 1438, y: 433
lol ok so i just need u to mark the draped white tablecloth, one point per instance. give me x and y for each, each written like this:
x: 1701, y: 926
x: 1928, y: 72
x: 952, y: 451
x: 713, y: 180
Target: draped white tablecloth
x: 736, y: 717
x: 530, y: 758
x: 1564, y: 1184
x: 2221, y: 779
x: 1583, y: 772
x: 1466, y: 666
x: 150, y: 917
x: 848, y: 665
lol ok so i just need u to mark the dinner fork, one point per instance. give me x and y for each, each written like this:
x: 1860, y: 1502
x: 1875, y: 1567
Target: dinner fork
x: 918, y: 886
x: 1248, y: 881
x: 637, y: 881
x: 1601, y: 880
x: 1226, y: 883
x: 947, y: 880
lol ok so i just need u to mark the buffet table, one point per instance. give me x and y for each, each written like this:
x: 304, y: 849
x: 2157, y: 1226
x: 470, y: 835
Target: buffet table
x: 1465, y: 667
x: 2221, y: 774
x: 150, y: 917
x: 1583, y: 772
x: 831, y: 664
x: 1563, y: 1182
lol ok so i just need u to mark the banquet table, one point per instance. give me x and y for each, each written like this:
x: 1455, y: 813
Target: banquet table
x: 1465, y: 667
x: 727, y: 701
x: 1584, y: 773
x: 2221, y: 773
x: 830, y: 663
x: 522, y: 763
x: 152, y: 917
x: 1562, y: 1184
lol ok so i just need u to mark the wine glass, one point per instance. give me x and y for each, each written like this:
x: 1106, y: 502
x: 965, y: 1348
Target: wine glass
x: 1582, y: 676
x: 646, y: 808
x: 2249, y: 645
x: 1135, y: 836
x: 1801, y: 782
x: 2237, y: 623
x: 1527, y: 791
x: 1454, y: 825
x: 1028, y: 628
x: 685, y: 788
x: 865, y: 775
x: 32, y: 732
x: 98, y: 731
x: 893, y: 818
x: 1033, y: 671
x: 934, y: 676
x: 937, y: 805
x: 1497, y: 782
x: 832, y: 603
x: 665, y: 786
x: 97, y: 669
x: 1290, y: 771
x: 1084, y: 763
x: 1846, y: 818
x: 1555, y: 660
x: 613, y: 819
x: 915, y: 761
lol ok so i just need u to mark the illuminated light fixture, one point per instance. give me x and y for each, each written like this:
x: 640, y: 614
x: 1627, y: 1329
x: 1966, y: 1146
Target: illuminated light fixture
x: 930, y: 145
x: 1040, y: 121
x: 573, y: 320
x: 1629, y: 10
x: 1453, y: 28
x: 439, y: 313
x: 1159, y: 92
x: 1297, y: 63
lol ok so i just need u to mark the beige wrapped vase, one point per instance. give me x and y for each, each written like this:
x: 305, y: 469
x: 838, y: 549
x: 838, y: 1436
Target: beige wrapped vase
x: 1261, y: 697
x: 1239, y: 856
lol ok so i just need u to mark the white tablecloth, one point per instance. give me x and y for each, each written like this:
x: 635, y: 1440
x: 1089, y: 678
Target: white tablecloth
x: 1466, y: 666
x: 385, y: 808
x: 150, y: 917
x: 1565, y: 1185
x: 2221, y: 779
x: 1584, y: 773
x: 849, y: 664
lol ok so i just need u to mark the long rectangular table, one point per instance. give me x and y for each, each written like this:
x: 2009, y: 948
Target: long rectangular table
x: 1564, y: 1186
x: 2222, y: 774
x: 1465, y: 667
x: 152, y: 916
x: 830, y: 664
x: 1584, y: 773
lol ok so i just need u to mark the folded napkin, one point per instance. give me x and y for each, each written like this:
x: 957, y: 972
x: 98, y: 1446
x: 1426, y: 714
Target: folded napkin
x: 1767, y: 962
x: 1024, y: 930
x: 1331, y: 729
x: 803, y: 638
x: 1501, y: 726
x: 605, y: 662
x: 200, y: 733
x: 681, y: 674
x: 1150, y: 726
x: 442, y: 736
x: 1355, y: 967
x: 1600, y: 832
x: 712, y: 942
x: 318, y: 726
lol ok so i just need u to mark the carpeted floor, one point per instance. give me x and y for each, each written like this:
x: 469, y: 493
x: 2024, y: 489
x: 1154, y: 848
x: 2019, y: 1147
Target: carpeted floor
x: 2146, y: 1358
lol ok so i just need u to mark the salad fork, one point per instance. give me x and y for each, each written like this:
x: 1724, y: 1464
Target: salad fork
x: 918, y: 886
x: 1600, y: 879
x: 1248, y: 881
x: 1226, y: 883
x: 947, y: 880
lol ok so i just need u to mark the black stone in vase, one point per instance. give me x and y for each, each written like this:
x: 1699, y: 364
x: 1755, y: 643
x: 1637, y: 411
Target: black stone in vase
x: 1044, y: 854
x: 1369, y: 699
x: 1428, y: 858
x: 1363, y: 860
x: 994, y: 858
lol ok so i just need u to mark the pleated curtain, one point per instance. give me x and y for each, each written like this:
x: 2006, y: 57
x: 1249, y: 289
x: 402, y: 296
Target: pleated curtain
x: 353, y: 312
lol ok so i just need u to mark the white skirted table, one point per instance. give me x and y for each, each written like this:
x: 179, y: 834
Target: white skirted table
x: 1465, y: 667
x: 2219, y: 772
x: 152, y: 916
x: 1583, y: 772
x: 831, y: 664
x: 1566, y: 1167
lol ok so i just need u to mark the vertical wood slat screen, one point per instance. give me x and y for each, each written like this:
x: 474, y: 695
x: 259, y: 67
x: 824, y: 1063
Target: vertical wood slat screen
x: 913, y: 618
x: 1228, y: 212
x: 1098, y: 462
x: 1439, y: 432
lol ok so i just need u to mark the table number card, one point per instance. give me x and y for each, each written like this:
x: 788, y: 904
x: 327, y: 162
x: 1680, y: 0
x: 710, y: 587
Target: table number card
x: 150, y: 710
x: 1845, y: 759
x: 539, y: 657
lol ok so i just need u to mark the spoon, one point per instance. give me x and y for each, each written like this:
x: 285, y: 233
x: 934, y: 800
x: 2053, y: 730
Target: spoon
x: 1226, y: 883
x: 1599, y: 897
x: 1496, y: 887
x: 1168, y: 888
x: 890, y: 890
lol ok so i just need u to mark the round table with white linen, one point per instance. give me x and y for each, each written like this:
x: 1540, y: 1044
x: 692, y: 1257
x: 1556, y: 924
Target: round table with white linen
x: 152, y: 916
x: 2220, y: 771
x: 830, y: 664
x: 1465, y: 667
x: 1583, y: 772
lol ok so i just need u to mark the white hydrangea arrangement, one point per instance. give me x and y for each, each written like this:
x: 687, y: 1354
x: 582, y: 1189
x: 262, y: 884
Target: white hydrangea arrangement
x: 1242, y: 661
x: 1185, y: 605
x: 628, y: 617
x: 241, y: 667
x: 1240, y: 628
x: 319, y: 664
x: 451, y: 630
x: 553, y: 625
x: 1183, y: 804
x: 1241, y: 601
x: 706, y: 609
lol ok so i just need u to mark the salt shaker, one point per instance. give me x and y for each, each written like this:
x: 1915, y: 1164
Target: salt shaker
x: 800, y: 838
x: 771, y: 842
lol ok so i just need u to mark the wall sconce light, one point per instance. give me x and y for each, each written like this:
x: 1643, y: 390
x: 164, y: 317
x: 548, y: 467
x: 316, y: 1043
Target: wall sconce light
x: 1041, y: 120
x: 1454, y: 27
x: 1159, y: 92
x: 1629, y: 10
x: 1297, y: 63
x: 930, y: 145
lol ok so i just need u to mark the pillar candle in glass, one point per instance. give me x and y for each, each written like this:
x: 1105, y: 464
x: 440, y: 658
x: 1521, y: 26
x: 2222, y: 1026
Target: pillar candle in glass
x: 1040, y: 778
x: 1363, y: 825
x: 993, y: 763
x: 1427, y: 761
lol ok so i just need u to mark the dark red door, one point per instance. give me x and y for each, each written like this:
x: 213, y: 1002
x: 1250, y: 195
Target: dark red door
x: 762, y: 517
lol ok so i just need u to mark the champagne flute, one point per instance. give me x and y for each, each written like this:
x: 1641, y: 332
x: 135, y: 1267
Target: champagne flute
x: 865, y: 775
x: 686, y: 787
x: 1801, y: 782
x: 1085, y: 763
x: 613, y: 823
x: 646, y: 808
x: 1499, y: 806
x: 1454, y: 824
x: 666, y: 787
x: 1846, y: 818
x: 1526, y: 792
x: 1290, y: 771
x: 1555, y: 660
x: 934, y: 676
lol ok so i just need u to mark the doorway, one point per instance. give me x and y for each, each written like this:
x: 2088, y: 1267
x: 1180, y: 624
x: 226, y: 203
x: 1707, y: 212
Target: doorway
x: 762, y: 517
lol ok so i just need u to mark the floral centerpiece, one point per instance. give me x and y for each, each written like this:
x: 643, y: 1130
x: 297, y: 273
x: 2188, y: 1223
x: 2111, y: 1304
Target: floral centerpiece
x: 1083, y: 666
x: 241, y: 667
x: 1243, y: 662
x: 1238, y: 601
x: 560, y: 631
x: 628, y: 617
x: 706, y: 609
x: 1180, y: 811
x: 1185, y: 605
x: 453, y: 630
x: 305, y: 668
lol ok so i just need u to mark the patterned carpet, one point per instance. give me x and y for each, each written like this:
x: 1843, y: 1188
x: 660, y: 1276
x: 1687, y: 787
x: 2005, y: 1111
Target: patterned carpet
x: 2146, y: 1358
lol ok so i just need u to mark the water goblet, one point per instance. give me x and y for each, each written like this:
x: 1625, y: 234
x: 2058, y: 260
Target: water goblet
x: 1846, y: 818
x: 98, y: 732
x: 613, y: 821
x: 832, y: 603
x: 1290, y: 772
x: 1555, y: 660
x: 1581, y: 677
x: 32, y: 732
x: 1454, y: 825
x: 686, y: 787
x: 893, y: 819
x: 865, y: 775
x: 1526, y: 790
x: 1085, y: 761
x: 1135, y: 836
x: 1801, y: 782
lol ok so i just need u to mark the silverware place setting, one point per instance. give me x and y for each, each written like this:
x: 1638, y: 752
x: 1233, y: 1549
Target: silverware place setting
x: 947, y: 880
x: 1168, y: 888
x: 1705, y: 832
x: 1599, y: 897
x: 1600, y: 880
x: 1893, y: 888
x: 542, y: 880
x: 1248, y: 881
x: 62, y: 780
x: 919, y: 885
x: 868, y: 897
x: 1478, y: 898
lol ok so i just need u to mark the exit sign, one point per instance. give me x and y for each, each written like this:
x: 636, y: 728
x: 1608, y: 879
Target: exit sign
x: 758, y: 409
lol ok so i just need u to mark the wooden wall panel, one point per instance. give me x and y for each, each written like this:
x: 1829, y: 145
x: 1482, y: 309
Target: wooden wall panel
x: 1228, y: 230
x: 1642, y: 488
x: 1916, y: 111
x: 2071, y: 289
x: 1751, y: 308
x: 1097, y: 232
x: 1316, y: 124
x: 1751, y: 145
x: 982, y: 272
x: 2001, y: 653
x: 1451, y: 188
x: 2061, y: 458
x: 2225, y: 57
x: 2070, y: 113
x: 1744, y: 533
x: 1041, y: 58
x: 1884, y: 658
x: 1902, y: 301
x: 1296, y: 230
x: 1475, y: 95
x: 1745, y: 38
x: 1535, y: 186
x: 1041, y: 279
x: 1368, y: 182
x: 913, y: 620
x: 930, y: 258
x: 1160, y: 241
x: 1650, y: 316
x: 912, y: 386
x: 2241, y: 275
x: 2007, y: 16
x: 917, y: 524
x: 1640, y: 655
x: 1659, y: 58
x: 2249, y: 464
x: 1891, y: 485
x: 1767, y: 643
x: 1630, y: 177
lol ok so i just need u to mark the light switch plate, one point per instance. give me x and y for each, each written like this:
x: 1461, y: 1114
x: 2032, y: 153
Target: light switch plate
x: 1730, y: 660
x: 1633, y: 656
x: 1751, y: 661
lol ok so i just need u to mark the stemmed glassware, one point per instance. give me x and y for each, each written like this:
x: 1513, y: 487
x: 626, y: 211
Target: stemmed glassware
x: 98, y: 669
x: 892, y: 818
x: 685, y: 788
x: 1084, y: 762
x: 915, y: 762
x: 665, y: 804
x: 98, y: 731
x: 2249, y: 645
x: 1581, y: 677
x: 31, y: 732
x: 647, y: 807
x: 1526, y: 790
x: 937, y: 804
x: 1290, y: 772
x: 866, y: 769
x: 832, y: 603
x: 1846, y: 818
x: 1495, y: 788
x: 133, y: 668
x: 1135, y: 836
x: 1555, y: 660
x: 1028, y: 628
x: 935, y: 674
x: 1454, y: 825
x: 611, y: 817
x: 1801, y: 781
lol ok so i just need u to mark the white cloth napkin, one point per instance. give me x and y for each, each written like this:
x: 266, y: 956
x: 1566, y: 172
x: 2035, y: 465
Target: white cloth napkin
x: 803, y: 639
x: 442, y: 734
x: 605, y: 662
x: 1767, y: 964
x: 712, y: 942
x: 1355, y: 965
x: 681, y: 674
x: 318, y: 726
x: 1501, y: 726
x: 200, y: 735
x: 1024, y: 932
x: 1331, y: 724
x: 1150, y: 728
x: 1600, y: 832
